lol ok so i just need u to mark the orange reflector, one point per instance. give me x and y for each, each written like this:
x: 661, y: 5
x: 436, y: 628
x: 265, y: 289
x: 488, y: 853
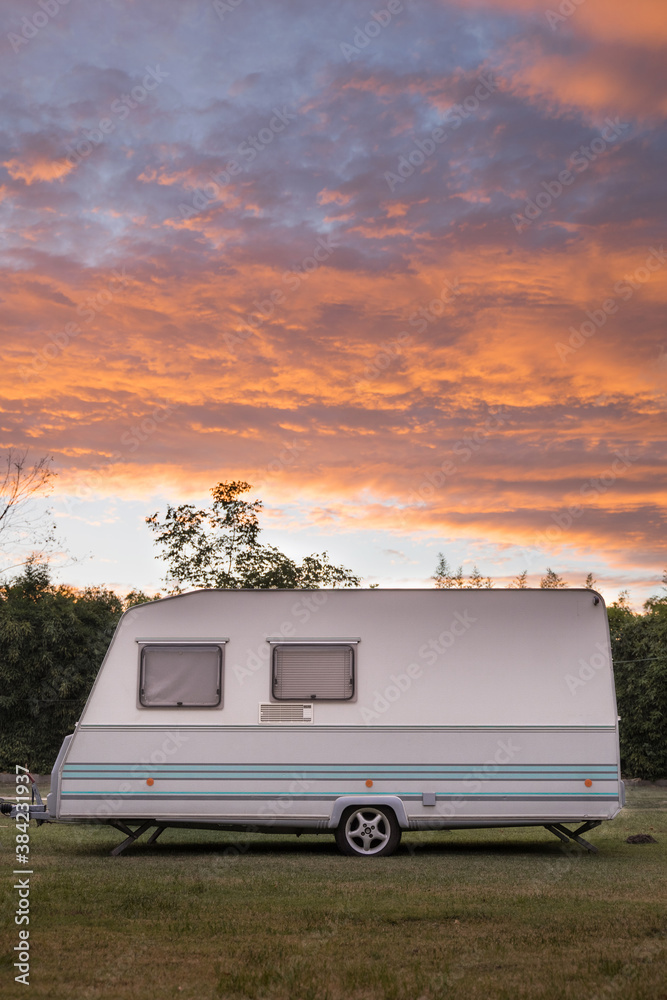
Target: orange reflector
x: 369, y: 783
x: 588, y: 782
x: 149, y: 781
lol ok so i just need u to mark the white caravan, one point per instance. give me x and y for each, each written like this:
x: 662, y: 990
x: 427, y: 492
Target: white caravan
x: 358, y: 712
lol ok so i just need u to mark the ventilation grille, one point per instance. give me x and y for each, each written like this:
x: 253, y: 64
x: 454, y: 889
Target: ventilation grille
x: 286, y: 715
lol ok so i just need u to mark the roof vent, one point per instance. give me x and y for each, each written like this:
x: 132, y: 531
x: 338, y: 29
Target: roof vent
x: 286, y: 714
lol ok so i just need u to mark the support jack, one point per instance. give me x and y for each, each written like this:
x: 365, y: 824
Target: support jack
x: 566, y: 835
x: 133, y: 835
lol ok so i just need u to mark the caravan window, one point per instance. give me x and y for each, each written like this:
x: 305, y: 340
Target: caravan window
x: 181, y: 676
x: 306, y: 672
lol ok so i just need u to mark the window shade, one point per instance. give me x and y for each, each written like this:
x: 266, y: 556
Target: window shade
x: 307, y: 672
x: 175, y: 676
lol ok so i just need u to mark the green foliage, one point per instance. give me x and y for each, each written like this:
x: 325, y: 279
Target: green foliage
x: 52, y: 642
x: 446, y: 578
x: 552, y: 581
x: 639, y: 648
x: 218, y: 547
x: 479, y: 582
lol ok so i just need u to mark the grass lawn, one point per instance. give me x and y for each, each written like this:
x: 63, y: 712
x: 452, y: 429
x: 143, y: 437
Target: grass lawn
x: 473, y: 914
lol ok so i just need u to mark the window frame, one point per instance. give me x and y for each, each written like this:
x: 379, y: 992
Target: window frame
x: 147, y: 644
x: 283, y: 642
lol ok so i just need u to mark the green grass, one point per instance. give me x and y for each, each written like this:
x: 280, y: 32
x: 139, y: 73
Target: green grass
x: 490, y: 914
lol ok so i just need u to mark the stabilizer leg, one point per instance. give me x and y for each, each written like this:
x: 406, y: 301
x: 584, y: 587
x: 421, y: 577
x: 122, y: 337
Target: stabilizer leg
x: 566, y: 835
x: 131, y: 839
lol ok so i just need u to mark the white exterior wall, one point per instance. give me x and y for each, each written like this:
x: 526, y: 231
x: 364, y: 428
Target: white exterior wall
x: 499, y: 702
x: 508, y: 665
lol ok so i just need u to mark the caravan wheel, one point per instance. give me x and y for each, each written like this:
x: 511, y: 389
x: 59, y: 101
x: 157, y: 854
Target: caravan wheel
x: 368, y: 830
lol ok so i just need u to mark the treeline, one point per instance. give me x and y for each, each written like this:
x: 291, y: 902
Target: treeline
x: 639, y: 651
x: 448, y: 578
x: 52, y: 642
x: 53, y: 639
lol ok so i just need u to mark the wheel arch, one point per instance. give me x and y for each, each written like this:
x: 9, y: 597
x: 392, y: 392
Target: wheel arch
x: 391, y: 801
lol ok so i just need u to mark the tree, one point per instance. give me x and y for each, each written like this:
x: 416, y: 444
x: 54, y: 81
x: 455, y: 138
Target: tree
x: 52, y: 642
x: 444, y: 577
x: 552, y: 581
x: 639, y: 649
x: 520, y: 582
x: 591, y: 583
x: 623, y: 601
x: 479, y: 582
x: 443, y: 574
x: 447, y: 579
x: 138, y: 597
x: 21, y: 523
x: 218, y: 547
x: 656, y: 600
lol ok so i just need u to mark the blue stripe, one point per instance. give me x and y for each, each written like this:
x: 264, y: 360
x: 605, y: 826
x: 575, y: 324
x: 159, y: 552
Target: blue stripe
x: 340, y: 767
x: 378, y: 770
x: 332, y: 776
x: 404, y: 795
x: 332, y: 772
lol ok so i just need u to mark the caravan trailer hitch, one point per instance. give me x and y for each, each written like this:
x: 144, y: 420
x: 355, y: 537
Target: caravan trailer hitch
x: 36, y: 810
x: 566, y: 835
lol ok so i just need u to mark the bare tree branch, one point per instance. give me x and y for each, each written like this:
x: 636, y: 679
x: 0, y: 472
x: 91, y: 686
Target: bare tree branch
x: 21, y: 521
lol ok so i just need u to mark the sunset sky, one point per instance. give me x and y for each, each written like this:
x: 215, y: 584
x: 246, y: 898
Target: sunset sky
x: 401, y: 266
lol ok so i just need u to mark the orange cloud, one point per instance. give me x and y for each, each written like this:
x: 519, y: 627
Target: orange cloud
x: 34, y: 170
x: 642, y: 24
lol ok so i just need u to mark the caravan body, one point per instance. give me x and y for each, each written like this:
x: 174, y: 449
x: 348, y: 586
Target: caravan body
x: 295, y: 710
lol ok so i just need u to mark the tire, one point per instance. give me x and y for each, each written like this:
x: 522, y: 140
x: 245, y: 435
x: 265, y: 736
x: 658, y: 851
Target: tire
x: 368, y: 831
